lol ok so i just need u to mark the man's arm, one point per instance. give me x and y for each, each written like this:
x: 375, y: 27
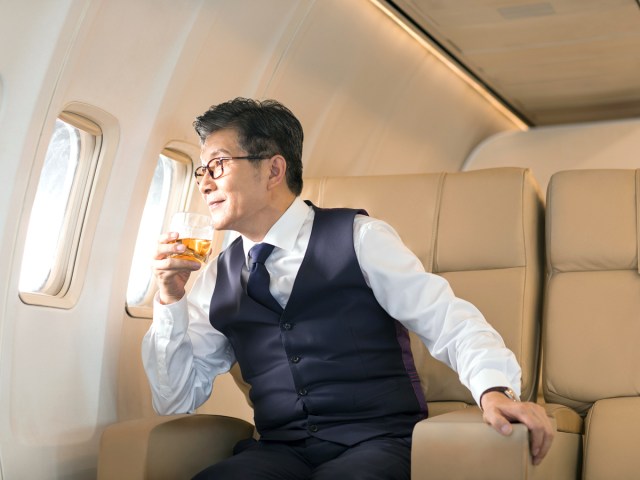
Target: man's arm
x: 182, y: 353
x: 453, y: 330
x: 182, y: 358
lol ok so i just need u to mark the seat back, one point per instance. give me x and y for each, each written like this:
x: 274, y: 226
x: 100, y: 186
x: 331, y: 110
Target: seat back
x: 482, y: 230
x: 592, y: 312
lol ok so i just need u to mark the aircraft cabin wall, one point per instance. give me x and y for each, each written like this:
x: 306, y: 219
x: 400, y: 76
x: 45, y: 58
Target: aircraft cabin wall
x: 546, y: 150
x: 372, y: 100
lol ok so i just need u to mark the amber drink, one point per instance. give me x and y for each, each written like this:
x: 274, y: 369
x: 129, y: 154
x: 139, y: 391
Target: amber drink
x: 194, y: 232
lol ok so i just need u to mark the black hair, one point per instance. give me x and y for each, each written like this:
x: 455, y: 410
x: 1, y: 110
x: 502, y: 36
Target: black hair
x: 264, y: 128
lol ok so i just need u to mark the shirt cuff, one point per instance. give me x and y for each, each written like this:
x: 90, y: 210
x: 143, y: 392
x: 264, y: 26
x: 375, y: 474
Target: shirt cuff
x: 171, y: 319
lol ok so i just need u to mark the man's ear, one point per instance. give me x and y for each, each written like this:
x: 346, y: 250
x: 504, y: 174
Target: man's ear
x: 277, y: 170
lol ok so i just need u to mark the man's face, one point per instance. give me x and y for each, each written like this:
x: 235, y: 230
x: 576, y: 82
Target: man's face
x: 237, y: 198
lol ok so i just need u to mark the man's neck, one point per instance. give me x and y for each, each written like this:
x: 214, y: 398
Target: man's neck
x: 270, y: 215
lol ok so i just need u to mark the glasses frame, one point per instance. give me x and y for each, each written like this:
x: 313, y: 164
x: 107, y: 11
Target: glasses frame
x: 200, y: 171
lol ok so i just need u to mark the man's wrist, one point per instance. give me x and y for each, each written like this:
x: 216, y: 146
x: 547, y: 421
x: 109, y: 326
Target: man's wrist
x: 506, y: 391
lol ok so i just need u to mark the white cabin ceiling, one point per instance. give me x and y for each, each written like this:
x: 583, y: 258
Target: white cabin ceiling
x: 552, y: 62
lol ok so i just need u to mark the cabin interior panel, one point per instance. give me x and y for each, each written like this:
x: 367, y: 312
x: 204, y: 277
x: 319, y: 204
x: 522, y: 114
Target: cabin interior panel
x: 546, y: 150
x: 555, y: 61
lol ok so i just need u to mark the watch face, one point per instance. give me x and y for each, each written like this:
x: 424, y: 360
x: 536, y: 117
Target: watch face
x: 511, y: 394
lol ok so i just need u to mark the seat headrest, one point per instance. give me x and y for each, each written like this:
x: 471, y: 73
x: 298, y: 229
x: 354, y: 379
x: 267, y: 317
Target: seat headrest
x: 592, y: 220
x: 408, y: 202
x: 482, y: 214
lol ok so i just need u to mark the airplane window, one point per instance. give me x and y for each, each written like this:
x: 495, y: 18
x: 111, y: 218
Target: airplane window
x: 59, y: 205
x: 167, y: 194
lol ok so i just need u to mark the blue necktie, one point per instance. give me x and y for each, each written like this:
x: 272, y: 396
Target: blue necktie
x: 258, y: 281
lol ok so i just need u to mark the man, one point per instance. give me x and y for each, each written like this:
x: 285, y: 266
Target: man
x: 323, y: 341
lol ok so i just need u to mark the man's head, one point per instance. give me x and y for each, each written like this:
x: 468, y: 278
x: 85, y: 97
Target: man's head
x: 264, y: 128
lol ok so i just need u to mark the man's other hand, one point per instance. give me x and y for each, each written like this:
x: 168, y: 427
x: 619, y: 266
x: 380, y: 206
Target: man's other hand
x: 500, y: 411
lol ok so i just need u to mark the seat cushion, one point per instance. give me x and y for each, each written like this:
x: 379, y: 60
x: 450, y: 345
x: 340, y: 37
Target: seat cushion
x: 612, y: 439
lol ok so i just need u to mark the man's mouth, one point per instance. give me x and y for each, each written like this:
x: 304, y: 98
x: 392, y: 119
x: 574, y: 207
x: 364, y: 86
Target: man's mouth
x: 215, y: 203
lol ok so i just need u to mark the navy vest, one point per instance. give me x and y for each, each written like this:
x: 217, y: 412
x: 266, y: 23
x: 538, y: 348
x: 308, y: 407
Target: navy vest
x: 333, y: 364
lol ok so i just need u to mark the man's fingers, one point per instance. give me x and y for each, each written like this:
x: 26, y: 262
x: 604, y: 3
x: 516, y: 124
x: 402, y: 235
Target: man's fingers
x: 171, y: 264
x: 541, y: 432
x: 541, y: 448
x: 166, y: 250
x: 494, y: 415
x: 499, y: 423
x: 168, y: 237
x: 167, y: 245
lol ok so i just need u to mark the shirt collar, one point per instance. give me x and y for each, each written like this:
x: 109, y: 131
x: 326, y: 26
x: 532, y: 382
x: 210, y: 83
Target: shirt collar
x: 284, y: 233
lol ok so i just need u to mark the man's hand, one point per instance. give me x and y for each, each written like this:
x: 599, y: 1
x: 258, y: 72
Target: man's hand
x: 500, y: 410
x: 171, y: 273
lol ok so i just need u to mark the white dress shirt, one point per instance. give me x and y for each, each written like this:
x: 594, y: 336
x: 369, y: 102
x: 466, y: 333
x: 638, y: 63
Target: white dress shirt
x: 182, y: 353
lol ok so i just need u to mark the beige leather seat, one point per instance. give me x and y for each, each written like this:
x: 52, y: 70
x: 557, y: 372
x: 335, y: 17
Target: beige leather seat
x: 482, y: 230
x: 489, y: 245
x: 591, y: 333
x: 592, y: 313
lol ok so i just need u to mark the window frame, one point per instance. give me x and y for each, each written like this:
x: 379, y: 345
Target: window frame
x: 78, y: 229
x: 179, y: 199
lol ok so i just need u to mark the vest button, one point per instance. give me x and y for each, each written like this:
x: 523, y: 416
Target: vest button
x: 295, y: 359
x: 302, y: 392
x: 313, y: 428
x: 287, y: 326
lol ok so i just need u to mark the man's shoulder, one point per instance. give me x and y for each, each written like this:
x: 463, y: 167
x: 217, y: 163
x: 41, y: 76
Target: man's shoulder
x: 230, y: 248
x: 338, y: 211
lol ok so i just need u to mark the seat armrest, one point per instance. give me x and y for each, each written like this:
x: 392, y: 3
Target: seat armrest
x: 459, y: 445
x: 167, y: 447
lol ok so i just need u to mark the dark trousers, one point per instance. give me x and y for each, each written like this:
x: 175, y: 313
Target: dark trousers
x: 381, y: 458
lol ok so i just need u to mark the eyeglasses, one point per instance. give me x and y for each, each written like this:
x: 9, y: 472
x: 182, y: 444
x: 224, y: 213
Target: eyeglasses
x: 215, y: 167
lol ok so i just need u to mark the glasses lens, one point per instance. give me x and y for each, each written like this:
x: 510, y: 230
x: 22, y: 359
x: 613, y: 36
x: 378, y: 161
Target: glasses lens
x: 215, y: 168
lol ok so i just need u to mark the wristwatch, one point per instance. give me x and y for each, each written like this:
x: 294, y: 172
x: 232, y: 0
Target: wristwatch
x: 506, y: 391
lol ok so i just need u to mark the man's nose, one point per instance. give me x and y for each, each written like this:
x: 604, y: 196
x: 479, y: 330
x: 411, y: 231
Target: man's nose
x: 207, y: 184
